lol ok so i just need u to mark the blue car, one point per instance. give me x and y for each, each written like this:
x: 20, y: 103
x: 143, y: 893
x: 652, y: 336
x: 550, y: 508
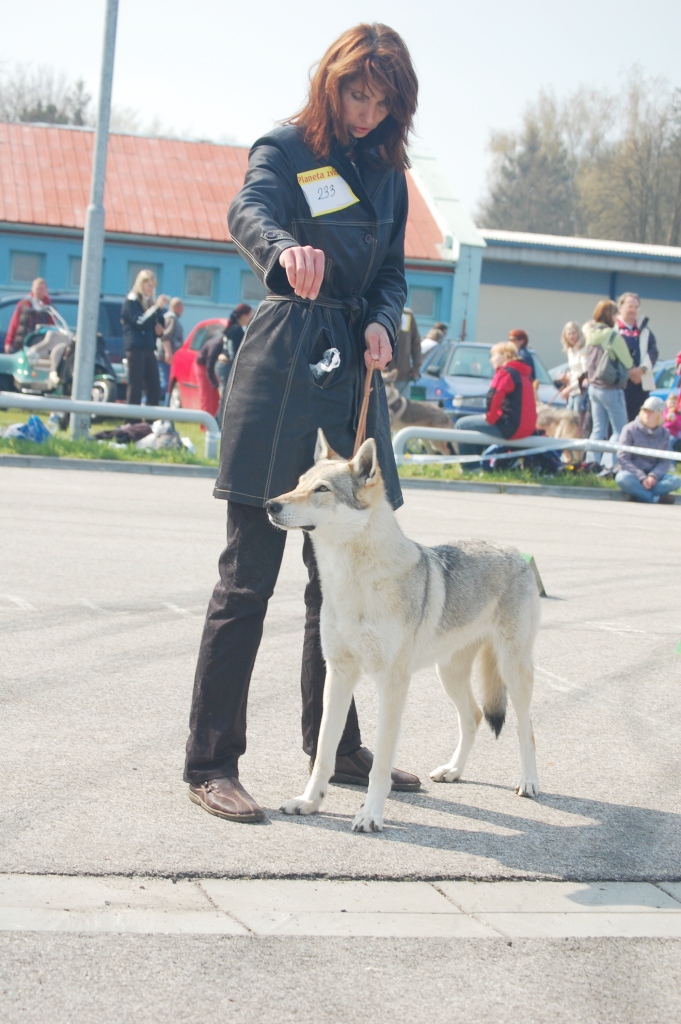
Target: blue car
x: 667, y: 378
x: 456, y: 377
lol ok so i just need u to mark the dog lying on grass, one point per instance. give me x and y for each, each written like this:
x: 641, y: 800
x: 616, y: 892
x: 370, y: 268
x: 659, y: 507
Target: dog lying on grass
x: 405, y: 413
x: 391, y: 606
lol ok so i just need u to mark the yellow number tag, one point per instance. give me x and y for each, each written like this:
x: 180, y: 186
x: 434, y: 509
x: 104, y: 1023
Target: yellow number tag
x: 325, y: 190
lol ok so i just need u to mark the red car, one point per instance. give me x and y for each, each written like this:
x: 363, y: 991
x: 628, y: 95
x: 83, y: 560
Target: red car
x: 183, y: 387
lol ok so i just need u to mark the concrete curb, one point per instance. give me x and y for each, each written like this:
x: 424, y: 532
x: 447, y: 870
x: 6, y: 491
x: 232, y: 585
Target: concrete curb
x: 168, y: 469
x: 106, y: 466
x: 598, y: 493
x: 247, y: 907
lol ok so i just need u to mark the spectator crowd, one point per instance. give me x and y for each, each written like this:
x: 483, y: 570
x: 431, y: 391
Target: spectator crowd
x: 606, y: 384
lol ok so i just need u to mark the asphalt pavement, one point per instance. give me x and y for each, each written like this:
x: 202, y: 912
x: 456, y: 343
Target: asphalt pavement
x: 104, y: 580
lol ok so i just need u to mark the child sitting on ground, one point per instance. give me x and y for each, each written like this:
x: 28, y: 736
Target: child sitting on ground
x: 646, y: 477
x: 672, y: 420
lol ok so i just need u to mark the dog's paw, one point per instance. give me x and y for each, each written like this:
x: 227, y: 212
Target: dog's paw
x: 366, y: 822
x: 445, y: 773
x: 299, y: 805
x: 527, y: 787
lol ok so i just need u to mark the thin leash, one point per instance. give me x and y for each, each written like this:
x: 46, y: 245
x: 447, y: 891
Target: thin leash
x: 364, y: 408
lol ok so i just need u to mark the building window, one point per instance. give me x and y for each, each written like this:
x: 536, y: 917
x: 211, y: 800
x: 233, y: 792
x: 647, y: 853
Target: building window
x: 425, y: 302
x: 75, y: 264
x: 251, y: 288
x: 134, y: 269
x: 25, y: 267
x: 200, y: 283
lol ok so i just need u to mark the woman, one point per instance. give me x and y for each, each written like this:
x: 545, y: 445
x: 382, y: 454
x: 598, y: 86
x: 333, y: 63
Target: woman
x: 239, y: 319
x: 511, y: 405
x: 321, y: 220
x: 142, y: 319
x: 521, y: 341
x: 572, y: 341
x: 607, y: 378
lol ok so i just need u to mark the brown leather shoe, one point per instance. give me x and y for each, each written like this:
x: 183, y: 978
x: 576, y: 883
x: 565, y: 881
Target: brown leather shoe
x: 226, y: 798
x: 353, y: 770
x: 667, y: 499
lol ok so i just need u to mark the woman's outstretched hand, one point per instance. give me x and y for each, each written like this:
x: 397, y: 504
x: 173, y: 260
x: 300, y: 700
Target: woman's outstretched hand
x: 378, y: 348
x: 304, y: 268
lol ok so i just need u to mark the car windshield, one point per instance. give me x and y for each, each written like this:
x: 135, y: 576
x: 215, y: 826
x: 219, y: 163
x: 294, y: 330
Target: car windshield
x: 666, y: 378
x: 473, y: 361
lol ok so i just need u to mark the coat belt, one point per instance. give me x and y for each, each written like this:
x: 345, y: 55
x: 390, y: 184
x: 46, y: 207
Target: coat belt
x: 356, y: 309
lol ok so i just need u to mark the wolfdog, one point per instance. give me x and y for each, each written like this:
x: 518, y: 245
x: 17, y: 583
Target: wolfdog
x: 391, y: 606
x: 405, y: 413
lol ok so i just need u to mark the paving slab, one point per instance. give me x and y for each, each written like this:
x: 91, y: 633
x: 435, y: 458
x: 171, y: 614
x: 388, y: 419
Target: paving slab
x: 597, y: 925
x: 288, y: 896
x: 105, y: 581
x: 558, y: 897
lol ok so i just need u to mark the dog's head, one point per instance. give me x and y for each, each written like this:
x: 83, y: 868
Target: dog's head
x: 336, y: 497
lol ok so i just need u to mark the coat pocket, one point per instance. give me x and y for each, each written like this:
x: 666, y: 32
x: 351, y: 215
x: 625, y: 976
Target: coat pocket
x: 325, y: 361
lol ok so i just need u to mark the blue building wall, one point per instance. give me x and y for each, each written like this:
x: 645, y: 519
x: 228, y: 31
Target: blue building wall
x: 429, y: 290
x: 574, y: 279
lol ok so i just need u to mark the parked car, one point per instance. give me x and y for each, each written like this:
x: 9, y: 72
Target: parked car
x: 667, y: 375
x: 457, y: 378
x: 183, y: 387
x: 12, y: 366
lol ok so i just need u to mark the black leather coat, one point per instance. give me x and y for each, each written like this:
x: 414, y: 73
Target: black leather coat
x: 275, y: 403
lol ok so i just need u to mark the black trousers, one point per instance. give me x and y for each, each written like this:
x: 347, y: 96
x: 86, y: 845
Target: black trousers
x: 634, y: 396
x: 249, y: 567
x: 142, y: 376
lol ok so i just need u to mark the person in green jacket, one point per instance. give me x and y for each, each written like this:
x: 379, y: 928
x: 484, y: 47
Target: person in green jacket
x: 608, y: 406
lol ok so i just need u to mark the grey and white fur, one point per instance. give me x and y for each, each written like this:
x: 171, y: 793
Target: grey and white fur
x: 391, y: 606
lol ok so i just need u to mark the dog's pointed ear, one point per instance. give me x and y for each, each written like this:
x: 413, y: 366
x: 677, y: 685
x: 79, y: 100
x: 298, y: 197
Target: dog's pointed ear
x: 323, y: 449
x: 365, y: 463
x: 389, y: 376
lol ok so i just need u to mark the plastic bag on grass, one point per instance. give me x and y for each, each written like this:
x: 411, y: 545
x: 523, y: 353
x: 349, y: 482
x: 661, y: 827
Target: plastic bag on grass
x: 33, y: 430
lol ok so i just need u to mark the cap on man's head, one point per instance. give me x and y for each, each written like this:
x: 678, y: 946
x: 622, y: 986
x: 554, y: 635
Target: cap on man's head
x: 654, y: 404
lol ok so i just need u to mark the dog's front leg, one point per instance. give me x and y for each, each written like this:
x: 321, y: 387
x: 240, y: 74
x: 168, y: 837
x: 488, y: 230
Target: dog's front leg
x: 392, y: 698
x: 341, y: 677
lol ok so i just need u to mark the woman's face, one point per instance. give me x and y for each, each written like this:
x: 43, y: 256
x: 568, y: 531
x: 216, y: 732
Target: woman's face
x: 572, y: 337
x: 245, y: 319
x: 148, y: 287
x: 363, y: 108
x: 497, y: 360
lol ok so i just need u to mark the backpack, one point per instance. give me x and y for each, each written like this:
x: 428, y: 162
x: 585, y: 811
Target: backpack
x: 604, y: 369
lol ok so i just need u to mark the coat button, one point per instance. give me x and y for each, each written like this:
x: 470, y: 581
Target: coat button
x: 257, y: 251
x: 368, y: 239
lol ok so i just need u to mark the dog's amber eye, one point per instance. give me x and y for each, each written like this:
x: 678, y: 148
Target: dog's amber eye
x: 321, y: 489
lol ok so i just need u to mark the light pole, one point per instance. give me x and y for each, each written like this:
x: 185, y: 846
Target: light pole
x: 93, y: 239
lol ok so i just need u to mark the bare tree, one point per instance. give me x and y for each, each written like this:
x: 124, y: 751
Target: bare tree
x: 42, y: 94
x: 596, y: 164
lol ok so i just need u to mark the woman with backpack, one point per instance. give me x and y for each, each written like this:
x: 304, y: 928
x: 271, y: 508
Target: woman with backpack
x: 608, y: 362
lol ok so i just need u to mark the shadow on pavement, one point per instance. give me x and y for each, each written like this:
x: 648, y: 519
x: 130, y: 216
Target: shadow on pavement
x: 615, y: 842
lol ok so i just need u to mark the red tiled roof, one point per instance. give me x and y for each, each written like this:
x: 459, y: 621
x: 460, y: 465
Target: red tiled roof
x: 159, y: 187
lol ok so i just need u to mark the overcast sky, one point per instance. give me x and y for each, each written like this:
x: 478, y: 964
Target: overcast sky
x: 225, y: 70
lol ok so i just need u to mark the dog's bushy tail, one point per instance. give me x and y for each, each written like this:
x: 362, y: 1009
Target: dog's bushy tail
x: 493, y: 689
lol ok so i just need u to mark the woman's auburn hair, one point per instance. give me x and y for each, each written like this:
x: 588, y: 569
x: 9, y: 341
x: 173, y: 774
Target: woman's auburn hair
x: 605, y: 312
x: 374, y: 55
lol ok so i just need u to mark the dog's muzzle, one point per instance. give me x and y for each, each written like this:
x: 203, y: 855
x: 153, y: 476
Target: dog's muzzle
x: 274, y: 508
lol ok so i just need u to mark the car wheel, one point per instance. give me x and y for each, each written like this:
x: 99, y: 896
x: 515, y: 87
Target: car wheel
x: 104, y: 391
x: 175, y: 401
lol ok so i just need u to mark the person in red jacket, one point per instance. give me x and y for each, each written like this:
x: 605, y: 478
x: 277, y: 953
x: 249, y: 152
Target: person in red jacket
x: 511, y: 406
x: 29, y: 312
